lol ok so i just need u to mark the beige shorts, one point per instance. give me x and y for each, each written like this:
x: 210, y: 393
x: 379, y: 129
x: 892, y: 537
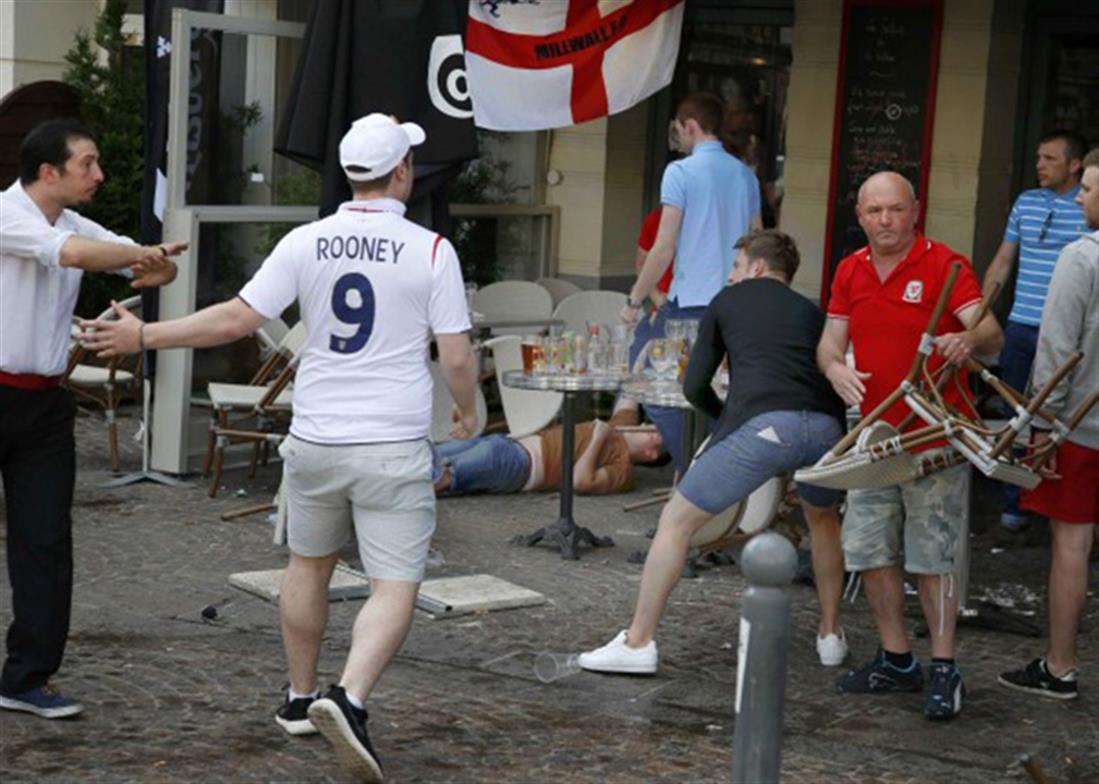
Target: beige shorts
x: 383, y: 490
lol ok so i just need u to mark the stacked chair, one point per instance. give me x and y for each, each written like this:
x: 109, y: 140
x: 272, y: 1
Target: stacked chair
x: 875, y: 454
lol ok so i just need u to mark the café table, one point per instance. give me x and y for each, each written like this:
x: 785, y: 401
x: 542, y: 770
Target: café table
x: 564, y: 533
x: 651, y: 391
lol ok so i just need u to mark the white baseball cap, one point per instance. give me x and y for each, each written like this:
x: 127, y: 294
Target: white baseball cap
x: 377, y: 143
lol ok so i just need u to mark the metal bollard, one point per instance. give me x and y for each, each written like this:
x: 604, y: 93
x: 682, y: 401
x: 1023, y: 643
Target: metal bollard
x: 769, y: 562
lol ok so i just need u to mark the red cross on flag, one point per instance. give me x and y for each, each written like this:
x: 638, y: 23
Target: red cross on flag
x: 538, y: 64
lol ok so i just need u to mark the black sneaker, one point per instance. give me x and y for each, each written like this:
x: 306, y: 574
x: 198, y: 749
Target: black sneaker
x: 44, y: 701
x: 1036, y: 678
x: 344, y: 726
x: 879, y: 676
x: 945, y: 692
x: 293, y: 716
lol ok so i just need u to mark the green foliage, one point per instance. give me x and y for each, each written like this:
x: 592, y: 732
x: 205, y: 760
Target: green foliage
x: 110, y: 78
x: 291, y: 189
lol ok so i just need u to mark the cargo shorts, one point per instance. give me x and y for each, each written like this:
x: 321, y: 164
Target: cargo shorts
x: 929, y: 512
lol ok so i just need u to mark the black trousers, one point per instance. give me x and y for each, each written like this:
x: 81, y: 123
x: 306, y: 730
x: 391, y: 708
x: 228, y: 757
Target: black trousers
x: 38, y: 463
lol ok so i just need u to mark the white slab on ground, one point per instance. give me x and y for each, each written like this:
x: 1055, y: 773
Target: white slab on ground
x: 443, y: 597
x: 346, y: 584
x: 478, y: 593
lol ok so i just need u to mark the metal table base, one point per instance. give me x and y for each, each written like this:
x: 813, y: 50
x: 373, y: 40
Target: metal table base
x: 564, y: 533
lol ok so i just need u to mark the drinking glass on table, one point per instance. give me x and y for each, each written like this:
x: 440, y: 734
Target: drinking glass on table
x: 662, y: 357
x: 531, y: 348
x: 620, y: 348
x: 674, y: 331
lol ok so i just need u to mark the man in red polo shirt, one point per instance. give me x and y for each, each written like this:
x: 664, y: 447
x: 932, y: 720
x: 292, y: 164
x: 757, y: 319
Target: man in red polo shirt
x: 882, y: 298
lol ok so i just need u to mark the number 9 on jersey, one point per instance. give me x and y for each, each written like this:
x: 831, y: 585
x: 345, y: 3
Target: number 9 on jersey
x: 353, y: 308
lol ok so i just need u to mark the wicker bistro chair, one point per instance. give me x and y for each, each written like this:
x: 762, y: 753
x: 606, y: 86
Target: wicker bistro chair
x: 105, y: 385
x: 875, y: 454
x: 227, y: 400
x: 268, y: 407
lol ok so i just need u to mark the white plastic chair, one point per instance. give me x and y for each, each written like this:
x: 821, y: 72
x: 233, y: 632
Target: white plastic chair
x: 513, y: 299
x: 526, y: 411
x: 558, y: 289
x: 597, y: 307
x: 442, y: 408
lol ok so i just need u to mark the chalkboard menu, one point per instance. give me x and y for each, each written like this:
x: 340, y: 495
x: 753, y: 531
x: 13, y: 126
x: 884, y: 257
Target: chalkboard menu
x: 885, y: 103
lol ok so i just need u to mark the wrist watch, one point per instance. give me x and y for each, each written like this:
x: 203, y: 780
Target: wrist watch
x: 631, y: 304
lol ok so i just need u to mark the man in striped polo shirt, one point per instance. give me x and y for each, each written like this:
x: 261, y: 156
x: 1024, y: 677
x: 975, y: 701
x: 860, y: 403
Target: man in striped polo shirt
x: 1042, y: 221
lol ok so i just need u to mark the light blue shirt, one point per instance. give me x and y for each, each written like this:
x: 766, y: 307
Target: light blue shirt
x: 1042, y: 222
x: 718, y: 196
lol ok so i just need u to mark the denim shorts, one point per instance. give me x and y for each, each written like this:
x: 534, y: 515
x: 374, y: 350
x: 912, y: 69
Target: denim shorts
x: 489, y: 464
x: 765, y: 446
x: 382, y: 491
x: 928, y: 512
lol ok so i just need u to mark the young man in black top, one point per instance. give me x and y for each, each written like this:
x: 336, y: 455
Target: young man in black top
x: 780, y: 414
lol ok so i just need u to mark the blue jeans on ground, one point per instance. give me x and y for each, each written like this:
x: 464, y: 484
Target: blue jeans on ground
x: 1016, y: 359
x: 668, y: 420
x: 489, y: 464
x: 766, y: 445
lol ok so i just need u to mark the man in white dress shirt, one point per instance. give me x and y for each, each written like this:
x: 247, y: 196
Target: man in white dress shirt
x: 45, y: 248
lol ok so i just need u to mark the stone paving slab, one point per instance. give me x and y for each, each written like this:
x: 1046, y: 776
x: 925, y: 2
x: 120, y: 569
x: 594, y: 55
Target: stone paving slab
x: 173, y: 697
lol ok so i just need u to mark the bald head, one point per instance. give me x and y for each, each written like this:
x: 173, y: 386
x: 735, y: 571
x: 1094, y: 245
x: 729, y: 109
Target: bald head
x: 889, y: 181
x: 887, y: 211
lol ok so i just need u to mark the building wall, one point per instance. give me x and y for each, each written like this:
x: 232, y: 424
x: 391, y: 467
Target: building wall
x: 971, y: 151
x: 810, y: 108
x: 34, y: 36
x: 578, y: 156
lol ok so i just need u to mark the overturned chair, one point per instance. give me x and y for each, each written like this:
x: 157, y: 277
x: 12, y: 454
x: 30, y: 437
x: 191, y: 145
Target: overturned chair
x: 876, y: 454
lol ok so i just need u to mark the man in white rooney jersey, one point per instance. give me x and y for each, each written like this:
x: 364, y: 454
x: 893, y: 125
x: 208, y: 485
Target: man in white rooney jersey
x: 373, y: 288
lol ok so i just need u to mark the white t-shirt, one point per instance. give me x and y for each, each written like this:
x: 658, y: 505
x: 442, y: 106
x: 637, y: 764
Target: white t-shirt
x: 372, y: 288
x: 37, y: 294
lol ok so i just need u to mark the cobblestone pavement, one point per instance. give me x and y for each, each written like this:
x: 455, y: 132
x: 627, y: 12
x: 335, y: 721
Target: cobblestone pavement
x: 171, y: 697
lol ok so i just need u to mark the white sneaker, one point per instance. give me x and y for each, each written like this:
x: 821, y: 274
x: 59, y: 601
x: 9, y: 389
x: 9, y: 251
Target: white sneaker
x: 616, y: 656
x: 832, y: 649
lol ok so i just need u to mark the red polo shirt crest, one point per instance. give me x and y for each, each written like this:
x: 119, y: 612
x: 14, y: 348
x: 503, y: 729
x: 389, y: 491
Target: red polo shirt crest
x: 885, y: 318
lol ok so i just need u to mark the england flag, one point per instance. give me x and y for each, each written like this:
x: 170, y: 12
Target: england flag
x: 539, y: 64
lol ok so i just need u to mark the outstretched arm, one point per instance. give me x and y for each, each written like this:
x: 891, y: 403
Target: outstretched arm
x: 212, y: 326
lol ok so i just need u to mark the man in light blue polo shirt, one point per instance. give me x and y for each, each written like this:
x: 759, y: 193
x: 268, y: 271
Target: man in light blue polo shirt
x: 710, y: 200
x: 1042, y: 221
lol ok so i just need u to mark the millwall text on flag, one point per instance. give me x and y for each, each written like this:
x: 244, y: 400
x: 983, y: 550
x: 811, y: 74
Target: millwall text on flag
x: 538, y: 64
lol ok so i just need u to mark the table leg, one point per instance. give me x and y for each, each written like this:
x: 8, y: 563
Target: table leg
x: 564, y: 532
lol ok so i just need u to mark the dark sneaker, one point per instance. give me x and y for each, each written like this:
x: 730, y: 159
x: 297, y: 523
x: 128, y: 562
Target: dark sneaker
x: 1036, y: 678
x: 879, y: 676
x: 293, y: 716
x: 44, y: 701
x: 945, y: 691
x: 344, y: 726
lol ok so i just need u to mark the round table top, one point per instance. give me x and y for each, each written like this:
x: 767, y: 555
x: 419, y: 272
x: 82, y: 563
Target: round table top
x: 601, y: 382
x: 655, y: 392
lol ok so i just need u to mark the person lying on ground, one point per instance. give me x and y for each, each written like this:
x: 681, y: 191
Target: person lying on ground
x: 604, y: 458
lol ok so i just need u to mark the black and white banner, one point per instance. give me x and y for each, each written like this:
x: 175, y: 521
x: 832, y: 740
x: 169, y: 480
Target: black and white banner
x: 204, y: 52
x: 399, y: 57
x: 205, y: 56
